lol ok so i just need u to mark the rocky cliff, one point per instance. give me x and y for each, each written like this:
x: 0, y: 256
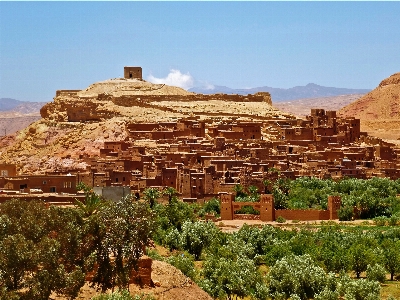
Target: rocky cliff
x: 379, y: 110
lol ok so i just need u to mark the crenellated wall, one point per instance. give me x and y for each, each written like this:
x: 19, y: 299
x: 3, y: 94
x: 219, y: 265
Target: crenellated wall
x: 268, y: 212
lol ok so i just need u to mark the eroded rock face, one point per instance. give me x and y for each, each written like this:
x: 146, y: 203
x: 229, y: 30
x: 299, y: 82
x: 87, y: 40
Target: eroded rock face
x: 266, y: 95
x: 394, y: 79
x: 379, y: 110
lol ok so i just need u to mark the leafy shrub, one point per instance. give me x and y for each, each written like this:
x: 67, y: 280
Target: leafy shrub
x: 173, y: 239
x: 380, y: 221
x: 376, y: 273
x: 248, y: 210
x: 123, y: 295
x: 197, y: 235
x: 185, y: 263
x: 327, y: 294
x: 211, y: 206
x: 225, y: 277
x: 118, y: 295
x: 394, y: 220
x: 345, y: 213
x: 280, y: 219
x: 152, y: 253
x: 296, y: 275
x: 362, y: 290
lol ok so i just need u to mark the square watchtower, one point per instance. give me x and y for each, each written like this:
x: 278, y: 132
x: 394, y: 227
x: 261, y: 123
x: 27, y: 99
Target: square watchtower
x: 133, y: 73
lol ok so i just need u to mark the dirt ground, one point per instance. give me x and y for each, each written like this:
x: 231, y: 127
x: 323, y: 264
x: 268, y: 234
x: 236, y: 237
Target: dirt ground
x: 235, y: 225
x: 173, y: 285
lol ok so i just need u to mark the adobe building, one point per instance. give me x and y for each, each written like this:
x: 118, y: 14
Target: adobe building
x: 133, y: 73
x: 8, y: 170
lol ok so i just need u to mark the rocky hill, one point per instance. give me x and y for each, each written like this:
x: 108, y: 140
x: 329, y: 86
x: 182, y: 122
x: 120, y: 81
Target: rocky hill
x: 379, y: 110
x: 76, y: 124
x: 310, y: 90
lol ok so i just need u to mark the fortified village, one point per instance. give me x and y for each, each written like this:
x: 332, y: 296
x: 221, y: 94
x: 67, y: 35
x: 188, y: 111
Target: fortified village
x: 153, y: 135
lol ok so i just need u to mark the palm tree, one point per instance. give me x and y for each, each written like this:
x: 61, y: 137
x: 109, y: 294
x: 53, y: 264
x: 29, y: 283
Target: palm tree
x: 93, y: 202
x: 151, y: 195
x: 170, y: 192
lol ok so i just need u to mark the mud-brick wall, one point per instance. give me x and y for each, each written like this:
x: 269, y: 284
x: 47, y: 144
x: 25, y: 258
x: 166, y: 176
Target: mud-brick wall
x: 302, y: 215
x: 142, y: 275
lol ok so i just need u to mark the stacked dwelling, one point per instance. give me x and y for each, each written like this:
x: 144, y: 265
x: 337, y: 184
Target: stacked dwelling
x: 202, y: 158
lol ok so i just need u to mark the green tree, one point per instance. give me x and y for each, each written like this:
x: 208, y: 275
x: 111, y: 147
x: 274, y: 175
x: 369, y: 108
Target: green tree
x: 151, y: 195
x: 376, y: 272
x: 239, y: 191
x: 361, y: 290
x: 17, y: 258
x: 253, y: 191
x: 226, y: 278
x: 360, y: 257
x: 211, y: 206
x: 170, y: 192
x: 196, y: 236
x: 391, y: 251
x: 124, y: 230
x: 92, y: 203
x: 185, y: 263
x: 33, y: 263
x: 296, y: 275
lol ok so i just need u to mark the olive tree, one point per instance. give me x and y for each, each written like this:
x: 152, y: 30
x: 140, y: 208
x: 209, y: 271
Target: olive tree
x: 35, y: 257
x: 296, y: 275
x: 123, y: 230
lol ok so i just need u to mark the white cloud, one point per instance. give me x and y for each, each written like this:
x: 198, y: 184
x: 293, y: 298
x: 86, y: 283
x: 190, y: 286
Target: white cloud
x: 209, y: 86
x: 174, y: 78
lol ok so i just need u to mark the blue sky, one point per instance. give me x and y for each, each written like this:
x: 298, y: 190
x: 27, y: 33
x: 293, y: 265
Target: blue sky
x: 45, y: 46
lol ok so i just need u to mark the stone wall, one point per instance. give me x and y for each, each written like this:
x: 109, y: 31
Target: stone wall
x: 135, y: 100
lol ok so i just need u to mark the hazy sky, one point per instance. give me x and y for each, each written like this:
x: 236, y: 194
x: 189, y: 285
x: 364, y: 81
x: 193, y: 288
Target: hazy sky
x: 47, y: 46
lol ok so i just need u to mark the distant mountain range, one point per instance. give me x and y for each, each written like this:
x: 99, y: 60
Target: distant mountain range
x: 311, y: 90
x: 21, y: 107
x: 16, y: 115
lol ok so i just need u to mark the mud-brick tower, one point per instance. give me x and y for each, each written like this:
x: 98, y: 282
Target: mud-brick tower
x: 334, y: 203
x: 133, y: 73
x: 267, y: 209
x: 226, y: 206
